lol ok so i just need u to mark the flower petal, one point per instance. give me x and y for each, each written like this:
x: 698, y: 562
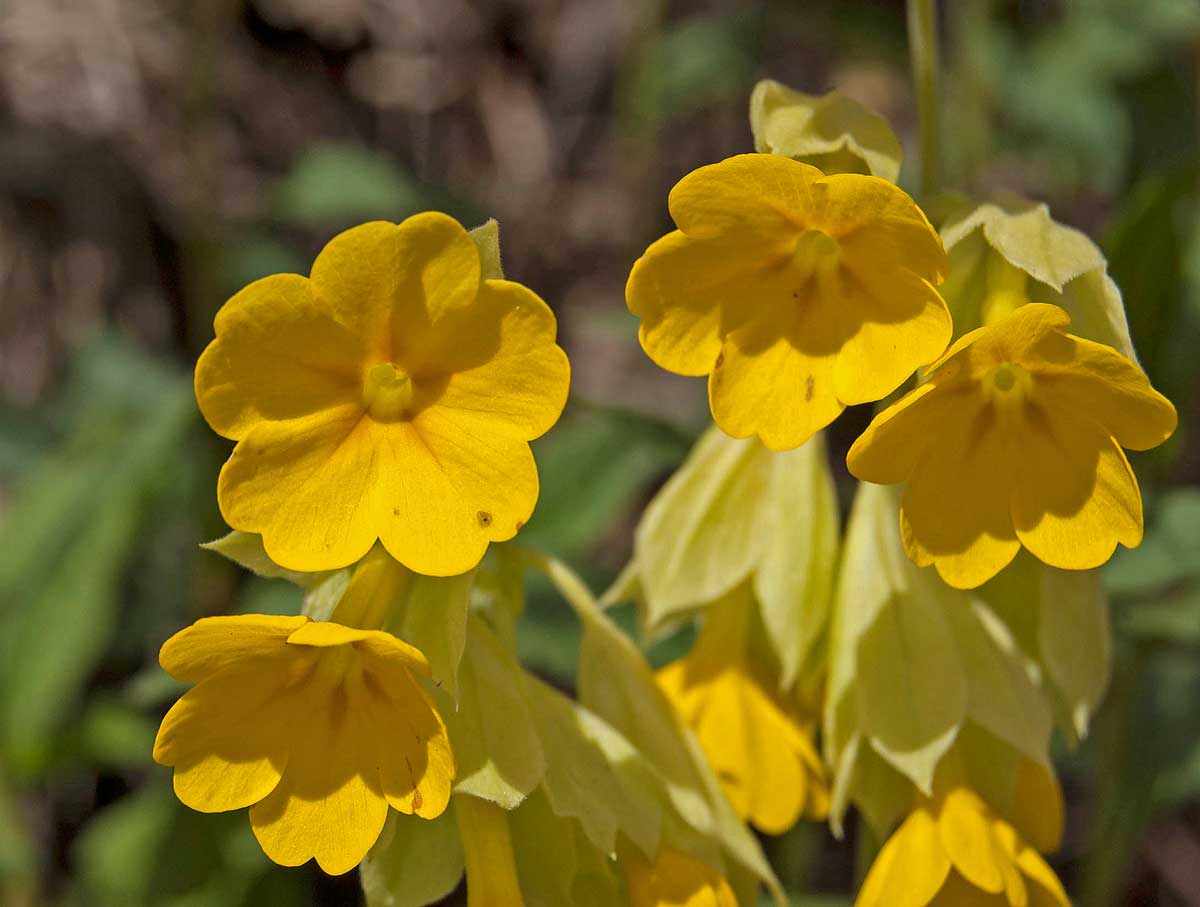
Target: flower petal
x: 955, y: 509
x: 1075, y: 496
x: 901, y: 328
x: 228, y: 737
x: 449, y: 485
x: 776, y: 380
x: 879, y: 227
x: 898, y: 438
x: 389, y: 282
x: 306, y: 486
x: 279, y: 354
x: 416, y: 764
x: 966, y: 836
x: 1086, y: 377
x: 910, y: 869
x: 214, y: 644
x: 517, y: 379
x: 330, y: 803
x: 681, y: 289
x: 748, y: 197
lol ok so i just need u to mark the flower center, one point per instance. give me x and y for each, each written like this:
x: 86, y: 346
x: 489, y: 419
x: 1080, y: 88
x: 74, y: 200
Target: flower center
x: 817, y: 254
x: 1008, y: 385
x: 387, y: 392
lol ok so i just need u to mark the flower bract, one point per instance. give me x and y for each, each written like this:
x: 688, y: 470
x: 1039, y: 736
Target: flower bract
x: 317, y: 727
x: 1016, y: 440
x: 954, y: 850
x: 390, y: 395
x: 796, y: 293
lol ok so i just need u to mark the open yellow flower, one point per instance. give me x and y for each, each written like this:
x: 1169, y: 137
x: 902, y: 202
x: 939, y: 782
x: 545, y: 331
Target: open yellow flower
x: 797, y: 293
x: 759, y: 748
x: 317, y: 727
x: 390, y: 396
x: 954, y: 850
x: 675, y: 879
x: 1015, y: 440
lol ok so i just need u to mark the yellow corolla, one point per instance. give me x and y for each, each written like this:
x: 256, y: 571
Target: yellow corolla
x: 316, y: 727
x: 759, y: 748
x: 797, y: 293
x: 391, y: 395
x: 675, y: 879
x: 1015, y: 440
x: 954, y: 850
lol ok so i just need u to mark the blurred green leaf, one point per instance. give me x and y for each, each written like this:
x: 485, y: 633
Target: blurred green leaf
x: 592, y: 467
x: 342, y: 184
x: 115, y: 734
x: 74, y: 523
x: 700, y: 62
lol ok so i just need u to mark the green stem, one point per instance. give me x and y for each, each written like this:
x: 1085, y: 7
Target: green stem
x: 923, y: 52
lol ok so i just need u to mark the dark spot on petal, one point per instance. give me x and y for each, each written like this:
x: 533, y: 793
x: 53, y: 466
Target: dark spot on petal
x: 485, y: 518
x: 418, y: 800
x: 720, y: 359
x: 808, y: 388
x: 395, y: 511
x: 520, y: 524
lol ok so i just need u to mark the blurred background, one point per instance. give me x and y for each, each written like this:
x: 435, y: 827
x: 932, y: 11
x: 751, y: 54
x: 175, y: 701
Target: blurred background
x: 155, y: 157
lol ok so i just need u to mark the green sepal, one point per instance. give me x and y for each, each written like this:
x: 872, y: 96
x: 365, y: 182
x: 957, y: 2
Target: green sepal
x: 830, y: 131
x: 495, y: 740
x: 415, y: 862
x: 735, y: 509
x: 487, y: 241
x: 1066, y: 268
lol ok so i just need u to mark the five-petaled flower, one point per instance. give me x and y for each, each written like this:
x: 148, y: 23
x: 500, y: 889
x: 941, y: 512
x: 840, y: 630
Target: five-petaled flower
x: 797, y: 293
x: 390, y: 396
x: 317, y: 727
x: 1015, y: 439
x: 954, y: 850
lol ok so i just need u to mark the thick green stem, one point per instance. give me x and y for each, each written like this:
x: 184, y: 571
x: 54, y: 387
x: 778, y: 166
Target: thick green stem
x: 923, y: 51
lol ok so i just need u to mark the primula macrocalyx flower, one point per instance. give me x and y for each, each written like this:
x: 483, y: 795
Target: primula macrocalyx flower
x: 675, y: 879
x: 391, y: 395
x: 317, y: 727
x: 1015, y: 440
x: 797, y: 293
x: 954, y: 850
x: 758, y: 747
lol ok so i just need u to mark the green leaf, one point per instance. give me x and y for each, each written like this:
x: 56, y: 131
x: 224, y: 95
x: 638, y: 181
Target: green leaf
x: 415, y: 861
x: 432, y: 615
x: 830, y: 131
x: 496, y: 745
x: 1074, y: 641
x: 118, y: 851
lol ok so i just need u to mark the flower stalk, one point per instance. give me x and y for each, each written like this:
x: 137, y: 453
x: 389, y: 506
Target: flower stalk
x: 923, y: 53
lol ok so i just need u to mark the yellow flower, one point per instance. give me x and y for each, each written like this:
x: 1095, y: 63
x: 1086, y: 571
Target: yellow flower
x: 797, y: 293
x: 317, y: 727
x: 676, y: 879
x: 760, y: 750
x: 954, y: 850
x: 1015, y: 440
x: 390, y: 396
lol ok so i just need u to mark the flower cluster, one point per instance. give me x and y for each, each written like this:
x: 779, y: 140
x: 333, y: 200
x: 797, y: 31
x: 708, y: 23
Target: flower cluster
x: 382, y: 409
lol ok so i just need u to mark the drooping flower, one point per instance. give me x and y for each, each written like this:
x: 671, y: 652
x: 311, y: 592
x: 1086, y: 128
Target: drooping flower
x: 1016, y: 439
x: 675, y: 879
x: 758, y: 745
x: 391, y: 395
x: 953, y: 849
x: 315, y: 726
x: 796, y: 293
